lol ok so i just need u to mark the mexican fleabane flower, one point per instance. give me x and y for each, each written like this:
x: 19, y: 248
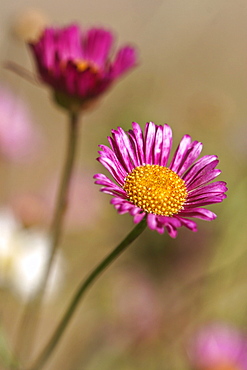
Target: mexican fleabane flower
x: 146, y: 185
x: 78, y: 65
x: 218, y: 346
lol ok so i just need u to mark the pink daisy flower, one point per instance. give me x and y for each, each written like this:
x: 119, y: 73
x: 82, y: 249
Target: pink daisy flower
x: 145, y: 185
x: 79, y: 65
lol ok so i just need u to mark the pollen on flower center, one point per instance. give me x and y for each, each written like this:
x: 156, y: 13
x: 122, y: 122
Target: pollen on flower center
x: 83, y: 65
x: 156, y: 189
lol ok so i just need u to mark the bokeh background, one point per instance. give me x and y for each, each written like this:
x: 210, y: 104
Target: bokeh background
x: 192, y: 74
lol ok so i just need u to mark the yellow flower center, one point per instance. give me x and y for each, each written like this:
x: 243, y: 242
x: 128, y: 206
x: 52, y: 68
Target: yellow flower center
x: 156, y: 189
x: 83, y: 65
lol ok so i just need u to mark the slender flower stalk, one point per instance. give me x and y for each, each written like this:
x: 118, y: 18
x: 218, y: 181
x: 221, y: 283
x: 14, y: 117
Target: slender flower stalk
x: 84, y: 286
x: 27, y: 330
x: 78, y: 67
x: 61, y: 204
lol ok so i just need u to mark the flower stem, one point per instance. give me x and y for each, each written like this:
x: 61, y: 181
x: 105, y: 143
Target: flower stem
x: 79, y: 294
x: 61, y: 204
x: 28, y: 326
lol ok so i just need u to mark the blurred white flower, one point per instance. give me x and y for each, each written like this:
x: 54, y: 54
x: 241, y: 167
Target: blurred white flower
x: 23, y: 256
x: 29, y: 24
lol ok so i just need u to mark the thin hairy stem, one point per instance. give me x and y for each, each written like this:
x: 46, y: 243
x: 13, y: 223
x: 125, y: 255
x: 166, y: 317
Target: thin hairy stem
x: 79, y: 294
x: 30, y: 318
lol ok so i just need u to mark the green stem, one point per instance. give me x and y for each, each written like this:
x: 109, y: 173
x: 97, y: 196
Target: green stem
x: 28, y: 326
x: 61, y: 204
x: 47, y: 351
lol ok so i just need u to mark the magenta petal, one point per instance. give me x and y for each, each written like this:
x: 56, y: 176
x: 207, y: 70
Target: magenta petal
x: 151, y: 221
x: 121, y: 205
x: 103, y: 180
x: 125, y: 59
x: 157, y: 152
x: 137, y: 137
x: 188, y: 223
x: 107, y: 163
x: 111, y: 192
x: 86, y: 83
x: 159, y: 223
x: 201, y: 213
x: 191, y: 156
x: 167, y: 145
x: 134, y: 211
x: 138, y: 217
x: 45, y: 49
x: 97, y: 45
x: 171, y: 224
x: 68, y: 43
x: 205, y: 178
x: 69, y: 79
x: 172, y: 230
x: 200, y: 202
x: 214, y: 187
x: 126, y: 151
x: 180, y: 153
x: 112, y: 156
x: 149, y: 140
x: 204, y: 196
x: 203, y: 165
x: 109, y: 186
x: 123, y: 153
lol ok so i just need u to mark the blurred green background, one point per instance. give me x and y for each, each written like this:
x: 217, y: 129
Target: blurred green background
x: 193, y: 76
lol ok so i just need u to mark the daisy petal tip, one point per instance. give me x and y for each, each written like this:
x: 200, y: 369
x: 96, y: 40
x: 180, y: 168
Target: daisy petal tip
x: 160, y: 231
x: 212, y: 216
x: 173, y: 233
x: 134, y: 124
x: 138, y: 217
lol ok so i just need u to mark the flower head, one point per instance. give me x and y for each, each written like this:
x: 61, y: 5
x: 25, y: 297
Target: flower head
x: 218, y: 347
x: 147, y: 185
x: 78, y: 65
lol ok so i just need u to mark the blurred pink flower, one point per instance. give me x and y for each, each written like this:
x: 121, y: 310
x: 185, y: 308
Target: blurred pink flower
x: 19, y: 139
x: 218, y: 346
x: 30, y: 209
x: 78, y: 64
x: 84, y: 202
x: 138, y: 310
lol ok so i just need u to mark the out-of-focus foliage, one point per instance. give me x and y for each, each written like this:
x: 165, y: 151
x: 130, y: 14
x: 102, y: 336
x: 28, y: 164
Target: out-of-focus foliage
x: 145, y: 309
